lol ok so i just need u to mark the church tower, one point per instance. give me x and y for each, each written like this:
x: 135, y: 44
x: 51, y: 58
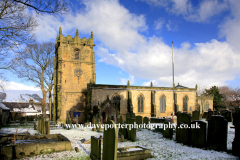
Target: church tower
x: 74, y: 68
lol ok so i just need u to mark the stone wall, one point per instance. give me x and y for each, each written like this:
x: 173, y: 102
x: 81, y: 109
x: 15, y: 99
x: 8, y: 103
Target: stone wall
x: 100, y: 93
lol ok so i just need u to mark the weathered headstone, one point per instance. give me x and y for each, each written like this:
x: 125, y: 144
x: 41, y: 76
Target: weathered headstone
x: 159, y: 128
x: 195, y: 115
x: 132, y: 115
x: 138, y: 120
x: 182, y: 131
x: 198, y: 135
x: 132, y: 132
x: 236, y: 140
x: 205, y: 115
x: 168, y: 132
x: 227, y: 115
x: 217, y: 133
x: 209, y: 115
x: 157, y: 120
x: 184, y: 117
x: 95, y: 148
x: 47, y: 128
x: 177, y: 113
x: 145, y: 120
x: 110, y: 141
x: 123, y: 131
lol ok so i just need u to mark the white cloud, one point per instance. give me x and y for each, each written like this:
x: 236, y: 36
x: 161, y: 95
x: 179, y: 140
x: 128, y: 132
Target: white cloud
x: 158, y: 24
x: 201, y: 13
x: 156, y: 2
x: 124, y: 81
x: 122, y: 45
x: 170, y: 26
x: 18, y: 86
x: 230, y: 27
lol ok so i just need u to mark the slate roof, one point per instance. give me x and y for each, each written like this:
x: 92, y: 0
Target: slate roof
x: 24, y: 107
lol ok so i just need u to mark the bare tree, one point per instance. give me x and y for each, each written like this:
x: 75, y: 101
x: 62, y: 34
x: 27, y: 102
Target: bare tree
x: 45, y: 6
x: 15, y: 28
x: 35, y: 63
x: 17, y: 22
x: 231, y: 96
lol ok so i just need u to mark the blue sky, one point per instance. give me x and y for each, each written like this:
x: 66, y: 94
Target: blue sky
x: 134, y: 40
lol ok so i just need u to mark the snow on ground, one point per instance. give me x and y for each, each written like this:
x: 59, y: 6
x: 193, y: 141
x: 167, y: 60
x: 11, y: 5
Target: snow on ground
x: 161, y: 148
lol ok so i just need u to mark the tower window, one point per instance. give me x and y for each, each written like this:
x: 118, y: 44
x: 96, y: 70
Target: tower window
x: 76, y: 54
x: 140, y: 103
x: 163, y: 104
x: 185, y: 104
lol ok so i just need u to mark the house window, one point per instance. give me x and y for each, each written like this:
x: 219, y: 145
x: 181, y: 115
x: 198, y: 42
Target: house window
x: 116, y: 101
x: 185, y: 107
x: 163, y: 104
x: 76, y: 54
x: 140, y: 103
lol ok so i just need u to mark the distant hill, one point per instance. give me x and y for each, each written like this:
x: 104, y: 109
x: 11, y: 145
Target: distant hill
x: 21, y: 96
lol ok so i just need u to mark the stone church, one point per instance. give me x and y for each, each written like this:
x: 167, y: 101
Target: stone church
x: 78, y: 97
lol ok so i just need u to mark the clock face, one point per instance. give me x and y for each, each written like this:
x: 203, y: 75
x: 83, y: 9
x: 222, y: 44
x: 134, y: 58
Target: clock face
x: 78, y: 72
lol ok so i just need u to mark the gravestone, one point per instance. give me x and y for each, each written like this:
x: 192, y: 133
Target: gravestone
x: 47, y: 128
x: 168, y: 132
x: 177, y: 113
x: 236, y: 140
x: 227, y: 115
x: 183, y: 134
x: 217, y: 133
x: 145, y: 120
x: 157, y: 120
x: 123, y: 130
x: 198, y: 135
x: 138, y: 120
x: 159, y: 128
x: 132, y: 115
x: 110, y: 141
x: 132, y: 135
x: 184, y: 117
x: 95, y: 148
x: 209, y: 115
x: 205, y: 115
x: 195, y: 115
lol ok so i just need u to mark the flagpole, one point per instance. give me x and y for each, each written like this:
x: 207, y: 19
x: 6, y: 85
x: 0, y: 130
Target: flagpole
x: 173, y: 83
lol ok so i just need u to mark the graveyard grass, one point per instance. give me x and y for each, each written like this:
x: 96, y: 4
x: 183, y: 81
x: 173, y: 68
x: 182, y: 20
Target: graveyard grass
x: 161, y: 148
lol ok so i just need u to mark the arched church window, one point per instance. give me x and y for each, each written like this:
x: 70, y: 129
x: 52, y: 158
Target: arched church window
x: 185, y: 105
x: 163, y: 104
x: 76, y: 54
x: 116, y: 101
x: 140, y: 103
